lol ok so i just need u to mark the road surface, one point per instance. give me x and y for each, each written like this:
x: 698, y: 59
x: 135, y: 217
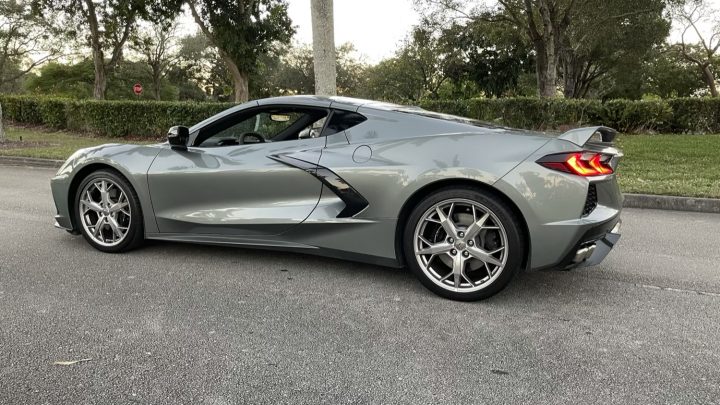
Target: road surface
x: 175, y: 323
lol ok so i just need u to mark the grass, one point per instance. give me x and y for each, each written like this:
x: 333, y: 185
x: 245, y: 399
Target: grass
x: 46, y: 144
x: 683, y: 165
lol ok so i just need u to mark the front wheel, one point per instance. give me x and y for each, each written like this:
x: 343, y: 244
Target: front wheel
x: 463, y: 243
x: 108, y: 212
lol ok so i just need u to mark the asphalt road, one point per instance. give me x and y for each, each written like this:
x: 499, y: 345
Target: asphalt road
x: 174, y: 323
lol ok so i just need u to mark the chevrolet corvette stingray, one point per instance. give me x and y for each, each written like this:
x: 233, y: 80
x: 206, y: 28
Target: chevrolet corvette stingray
x: 464, y: 204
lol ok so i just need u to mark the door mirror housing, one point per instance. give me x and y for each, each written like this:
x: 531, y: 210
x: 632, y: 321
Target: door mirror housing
x: 178, y: 137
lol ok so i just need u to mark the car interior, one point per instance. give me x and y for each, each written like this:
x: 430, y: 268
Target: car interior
x: 265, y: 125
x: 276, y: 124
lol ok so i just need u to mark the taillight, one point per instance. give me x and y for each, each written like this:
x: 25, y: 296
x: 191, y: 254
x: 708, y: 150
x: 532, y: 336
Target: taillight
x: 581, y: 163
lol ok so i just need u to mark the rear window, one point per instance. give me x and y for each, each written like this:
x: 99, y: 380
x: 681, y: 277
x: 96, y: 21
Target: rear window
x: 342, y: 121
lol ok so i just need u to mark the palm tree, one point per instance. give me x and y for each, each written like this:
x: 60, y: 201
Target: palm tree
x: 324, y: 47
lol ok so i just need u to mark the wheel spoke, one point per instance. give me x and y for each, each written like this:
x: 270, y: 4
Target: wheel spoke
x: 446, y: 222
x: 98, y: 226
x: 103, y: 193
x: 447, y: 276
x: 115, y: 227
x: 487, y: 268
x: 458, y: 268
x: 92, y: 205
x: 118, y: 206
x: 442, y: 247
x: 483, y: 256
x: 476, y: 226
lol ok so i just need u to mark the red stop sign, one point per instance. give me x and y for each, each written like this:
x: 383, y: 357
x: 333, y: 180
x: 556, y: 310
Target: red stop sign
x: 137, y: 89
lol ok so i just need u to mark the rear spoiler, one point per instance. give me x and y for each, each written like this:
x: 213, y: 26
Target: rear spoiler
x: 581, y: 136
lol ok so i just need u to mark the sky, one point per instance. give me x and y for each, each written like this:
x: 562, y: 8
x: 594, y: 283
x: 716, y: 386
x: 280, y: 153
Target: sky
x: 375, y: 27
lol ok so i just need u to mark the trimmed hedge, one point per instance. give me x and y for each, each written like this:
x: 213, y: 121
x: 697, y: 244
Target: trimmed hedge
x: 109, y: 118
x: 680, y: 115
x: 153, y: 118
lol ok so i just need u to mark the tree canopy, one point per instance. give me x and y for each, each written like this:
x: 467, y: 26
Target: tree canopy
x: 243, y: 49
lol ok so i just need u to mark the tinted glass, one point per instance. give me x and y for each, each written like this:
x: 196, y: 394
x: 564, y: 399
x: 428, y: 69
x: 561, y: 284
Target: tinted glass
x: 341, y: 121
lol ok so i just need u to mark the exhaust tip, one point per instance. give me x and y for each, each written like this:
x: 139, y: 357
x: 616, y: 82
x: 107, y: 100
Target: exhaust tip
x: 584, y: 253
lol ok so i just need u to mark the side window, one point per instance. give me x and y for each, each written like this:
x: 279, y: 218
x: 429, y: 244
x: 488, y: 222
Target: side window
x: 341, y: 121
x: 271, y: 125
x: 313, y: 130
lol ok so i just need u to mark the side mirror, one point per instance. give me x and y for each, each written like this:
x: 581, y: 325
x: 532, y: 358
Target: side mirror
x: 178, y: 137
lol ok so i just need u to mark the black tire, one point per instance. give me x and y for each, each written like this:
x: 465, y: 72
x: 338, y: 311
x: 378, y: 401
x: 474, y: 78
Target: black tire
x: 135, y: 233
x: 511, y: 224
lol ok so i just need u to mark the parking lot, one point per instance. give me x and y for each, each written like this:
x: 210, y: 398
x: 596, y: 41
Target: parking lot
x: 175, y: 323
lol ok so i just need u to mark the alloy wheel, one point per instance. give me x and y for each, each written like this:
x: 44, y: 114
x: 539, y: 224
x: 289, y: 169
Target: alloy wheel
x: 460, y: 245
x: 105, y: 212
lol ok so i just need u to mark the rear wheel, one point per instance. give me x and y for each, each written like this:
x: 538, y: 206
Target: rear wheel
x: 108, y: 212
x: 463, y: 244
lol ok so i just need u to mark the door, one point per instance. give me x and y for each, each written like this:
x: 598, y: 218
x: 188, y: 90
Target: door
x: 226, y: 183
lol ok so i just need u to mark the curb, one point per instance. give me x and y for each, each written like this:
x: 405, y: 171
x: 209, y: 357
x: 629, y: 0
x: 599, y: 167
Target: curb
x: 666, y: 202
x: 32, y: 162
x: 646, y: 201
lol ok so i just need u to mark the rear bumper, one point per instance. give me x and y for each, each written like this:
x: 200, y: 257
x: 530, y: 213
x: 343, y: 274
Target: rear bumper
x: 592, y: 248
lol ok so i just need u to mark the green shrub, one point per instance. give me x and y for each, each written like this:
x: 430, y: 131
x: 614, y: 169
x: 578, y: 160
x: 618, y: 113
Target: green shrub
x: 109, y: 118
x: 153, y: 118
x: 679, y: 115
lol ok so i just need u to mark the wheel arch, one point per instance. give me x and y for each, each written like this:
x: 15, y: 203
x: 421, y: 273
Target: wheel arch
x: 430, y: 188
x: 78, y: 177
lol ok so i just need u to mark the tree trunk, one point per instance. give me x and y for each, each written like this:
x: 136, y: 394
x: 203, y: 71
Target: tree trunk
x: 709, y: 78
x: 156, y: 82
x: 240, y: 81
x: 2, y: 130
x: 97, y: 53
x: 100, y: 82
x: 324, y: 47
x: 546, y: 70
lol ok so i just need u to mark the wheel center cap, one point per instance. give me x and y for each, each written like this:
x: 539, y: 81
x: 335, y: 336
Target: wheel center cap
x: 460, y: 245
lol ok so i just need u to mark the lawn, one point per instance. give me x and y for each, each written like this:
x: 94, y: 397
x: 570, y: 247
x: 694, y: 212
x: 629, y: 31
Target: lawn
x: 684, y: 165
x: 46, y: 144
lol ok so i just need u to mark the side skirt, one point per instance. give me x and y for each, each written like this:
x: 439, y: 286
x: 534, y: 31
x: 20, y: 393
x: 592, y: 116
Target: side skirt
x: 274, y: 245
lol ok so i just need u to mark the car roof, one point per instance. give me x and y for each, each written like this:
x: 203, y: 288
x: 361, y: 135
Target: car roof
x: 325, y: 101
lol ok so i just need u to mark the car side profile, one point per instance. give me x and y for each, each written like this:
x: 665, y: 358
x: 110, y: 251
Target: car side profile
x: 463, y: 204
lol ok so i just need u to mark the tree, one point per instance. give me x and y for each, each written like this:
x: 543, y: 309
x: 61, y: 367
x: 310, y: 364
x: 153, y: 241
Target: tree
x: 200, y: 63
x: 242, y: 31
x: 294, y: 72
x: 691, y: 17
x: 77, y: 81
x: 157, y: 46
x: 26, y: 41
x: 491, y: 55
x: 65, y: 80
x: 550, y: 26
x: 623, y: 45
x: 107, y: 26
x: 667, y: 74
x: 324, y: 47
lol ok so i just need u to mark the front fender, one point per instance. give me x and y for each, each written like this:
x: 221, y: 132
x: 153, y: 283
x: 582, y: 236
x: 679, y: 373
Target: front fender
x: 131, y: 161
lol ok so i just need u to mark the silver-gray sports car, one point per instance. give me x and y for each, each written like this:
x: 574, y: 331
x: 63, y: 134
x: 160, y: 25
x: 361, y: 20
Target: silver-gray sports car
x: 464, y: 204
